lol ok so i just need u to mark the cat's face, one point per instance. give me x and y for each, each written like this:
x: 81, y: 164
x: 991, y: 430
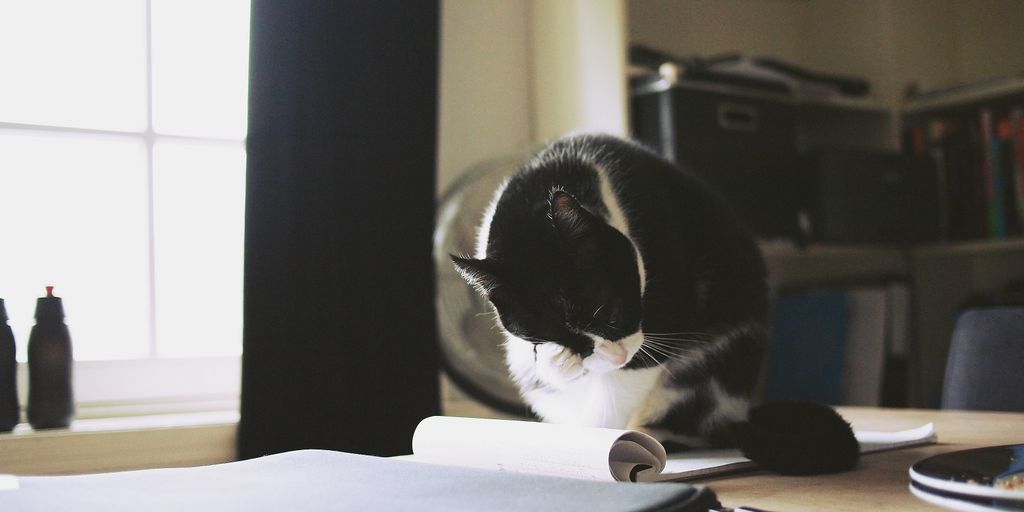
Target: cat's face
x: 573, y: 298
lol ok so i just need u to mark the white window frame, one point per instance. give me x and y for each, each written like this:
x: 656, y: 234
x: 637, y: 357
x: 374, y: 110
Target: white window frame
x: 139, y: 387
x: 148, y: 385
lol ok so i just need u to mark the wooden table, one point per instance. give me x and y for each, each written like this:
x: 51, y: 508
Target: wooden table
x: 880, y: 480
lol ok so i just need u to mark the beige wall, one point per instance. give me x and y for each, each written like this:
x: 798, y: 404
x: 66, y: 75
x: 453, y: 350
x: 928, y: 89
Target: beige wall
x: 890, y: 42
x: 853, y: 38
x: 515, y: 73
x: 926, y: 43
x: 518, y: 72
x: 579, y: 66
x: 705, y: 27
x: 990, y: 37
x: 485, y: 106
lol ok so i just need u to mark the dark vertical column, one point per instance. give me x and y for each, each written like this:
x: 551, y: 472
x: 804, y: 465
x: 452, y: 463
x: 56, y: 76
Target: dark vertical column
x: 340, y: 343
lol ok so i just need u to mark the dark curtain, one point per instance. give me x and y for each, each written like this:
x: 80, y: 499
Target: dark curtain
x: 340, y: 343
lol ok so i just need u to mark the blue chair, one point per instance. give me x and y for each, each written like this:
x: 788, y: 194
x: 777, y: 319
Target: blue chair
x: 985, y: 369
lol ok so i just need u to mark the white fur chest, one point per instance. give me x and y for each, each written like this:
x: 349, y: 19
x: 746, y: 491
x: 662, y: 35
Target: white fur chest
x: 596, y: 399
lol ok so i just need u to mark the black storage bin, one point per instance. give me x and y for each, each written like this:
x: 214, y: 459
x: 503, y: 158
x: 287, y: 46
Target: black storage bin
x: 863, y: 196
x: 743, y: 142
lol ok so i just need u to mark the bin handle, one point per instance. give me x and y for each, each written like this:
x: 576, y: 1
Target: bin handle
x: 733, y: 116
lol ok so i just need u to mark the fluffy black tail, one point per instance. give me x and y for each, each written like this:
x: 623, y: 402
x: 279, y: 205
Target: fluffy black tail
x: 797, y: 438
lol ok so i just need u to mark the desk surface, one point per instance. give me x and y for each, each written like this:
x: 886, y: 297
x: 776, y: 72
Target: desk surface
x: 880, y: 480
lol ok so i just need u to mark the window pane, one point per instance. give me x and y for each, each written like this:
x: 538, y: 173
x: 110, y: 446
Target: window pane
x: 74, y: 63
x: 200, y: 67
x: 199, y: 208
x: 74, y: 215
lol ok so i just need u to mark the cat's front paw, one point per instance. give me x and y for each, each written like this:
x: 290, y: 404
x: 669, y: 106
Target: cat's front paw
x: 557, y: 365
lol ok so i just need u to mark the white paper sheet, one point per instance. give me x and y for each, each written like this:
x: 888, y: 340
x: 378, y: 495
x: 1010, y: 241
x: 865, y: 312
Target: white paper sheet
x: 539, y: 448
x: 871, y: 441
x: 593, y: 453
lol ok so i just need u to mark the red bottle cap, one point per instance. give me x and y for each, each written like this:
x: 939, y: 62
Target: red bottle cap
x: 49, y: 307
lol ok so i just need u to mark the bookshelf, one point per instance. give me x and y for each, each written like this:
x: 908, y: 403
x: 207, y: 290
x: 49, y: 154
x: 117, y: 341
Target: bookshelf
x: 943, y: 278
x: 965, y: 97
x: 975, y: 136
x: 942, y: 275
x: 831, y: 265
x: 981, y: 177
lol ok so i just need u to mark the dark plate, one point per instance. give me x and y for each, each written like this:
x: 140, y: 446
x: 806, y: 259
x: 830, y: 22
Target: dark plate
x: 992, y: 472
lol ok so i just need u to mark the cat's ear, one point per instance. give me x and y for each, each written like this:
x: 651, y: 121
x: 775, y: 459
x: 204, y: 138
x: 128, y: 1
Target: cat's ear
x: 579, y: 230
x: 481, y: 274
x: 572, y: 221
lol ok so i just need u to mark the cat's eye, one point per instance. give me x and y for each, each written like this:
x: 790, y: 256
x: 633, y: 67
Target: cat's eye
x: 615, y: 313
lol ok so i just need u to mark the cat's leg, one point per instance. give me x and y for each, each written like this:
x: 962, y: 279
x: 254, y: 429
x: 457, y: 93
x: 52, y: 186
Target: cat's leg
x: 556, y: 365
x: 612, y: 399
x: 681, y: 424
x: 547, y: 365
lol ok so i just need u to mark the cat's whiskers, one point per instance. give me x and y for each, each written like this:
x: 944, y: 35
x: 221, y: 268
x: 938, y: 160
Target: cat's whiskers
x: 669, y: 357
x: 654, y: 351
x: 534, y: 339
x: 674, y: 344
x: 678, y: 353
x: 677, y: 334
x: 680, y: 346
x: 681, y: 332
x: 643, y: 351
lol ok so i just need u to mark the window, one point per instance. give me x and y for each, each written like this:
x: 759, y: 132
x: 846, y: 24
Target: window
x: 122, y: 164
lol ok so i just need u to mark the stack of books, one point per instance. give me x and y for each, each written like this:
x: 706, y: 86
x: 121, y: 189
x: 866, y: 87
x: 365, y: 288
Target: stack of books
x: 842, y: 345
x: 979, y: 156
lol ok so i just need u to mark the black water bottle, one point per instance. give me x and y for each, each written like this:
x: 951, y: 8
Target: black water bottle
x: 9, y: 410
x: 50, y: 401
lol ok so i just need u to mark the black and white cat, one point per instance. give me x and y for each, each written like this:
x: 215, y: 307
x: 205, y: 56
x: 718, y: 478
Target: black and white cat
x: 629, y: 294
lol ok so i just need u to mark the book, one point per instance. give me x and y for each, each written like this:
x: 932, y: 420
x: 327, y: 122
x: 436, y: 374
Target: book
x: 993, y: 179
x: 843, y: 345
x: 1007, y: 208
x: 978, y: 155
x: 1017, y: 136
x: 896, y: 377
x: 592, y: 453
x: 937, y: 132
x: 326, y: 480
x: 806, y: 360
x: 864, y: 352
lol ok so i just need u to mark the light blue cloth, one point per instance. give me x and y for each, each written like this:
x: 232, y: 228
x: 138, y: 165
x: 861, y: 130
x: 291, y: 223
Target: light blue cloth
x: 325, y: 480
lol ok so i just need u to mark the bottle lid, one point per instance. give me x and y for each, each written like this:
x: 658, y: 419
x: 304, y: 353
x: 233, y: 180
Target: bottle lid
x: 49, y: 307
x: 3, y: 312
